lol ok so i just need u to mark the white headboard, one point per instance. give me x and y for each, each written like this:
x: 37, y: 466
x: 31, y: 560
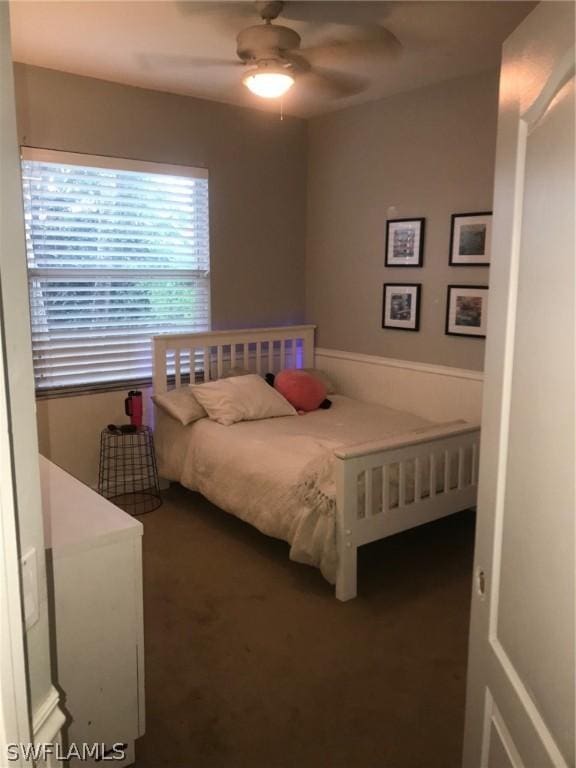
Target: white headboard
x: 213, y: 353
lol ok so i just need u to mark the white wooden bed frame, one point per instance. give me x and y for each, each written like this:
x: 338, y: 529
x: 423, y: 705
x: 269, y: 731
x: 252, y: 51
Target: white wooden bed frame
x: 360, y: 519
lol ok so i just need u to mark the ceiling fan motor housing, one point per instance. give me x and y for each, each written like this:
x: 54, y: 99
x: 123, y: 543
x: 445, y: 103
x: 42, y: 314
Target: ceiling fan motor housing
x: 266, y: 41
x: 269, y: 9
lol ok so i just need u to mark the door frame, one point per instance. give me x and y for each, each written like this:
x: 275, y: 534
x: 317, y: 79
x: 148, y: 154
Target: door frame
x: 15, y: 712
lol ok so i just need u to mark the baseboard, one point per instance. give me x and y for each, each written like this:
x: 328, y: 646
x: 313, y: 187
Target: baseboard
x: 436, y: 392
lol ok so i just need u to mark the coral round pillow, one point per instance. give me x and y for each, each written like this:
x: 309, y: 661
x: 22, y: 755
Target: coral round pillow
x: 302, y: 390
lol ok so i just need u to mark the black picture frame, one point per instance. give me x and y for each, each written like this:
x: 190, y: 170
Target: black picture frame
x: 474, y: 244
x: 398, y: 323
x: 413, y: 231
x: 465, y: 320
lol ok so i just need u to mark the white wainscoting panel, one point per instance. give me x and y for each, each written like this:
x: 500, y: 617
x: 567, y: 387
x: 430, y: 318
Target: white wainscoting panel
x: 47, y: 727
x: 434, y: 392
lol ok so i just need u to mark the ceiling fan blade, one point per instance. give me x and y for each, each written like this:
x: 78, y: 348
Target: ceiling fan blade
x: 331, y: 84
x: 228, y: 8
x: 363, y: 42
x: 175, y: 61
x: 206, y: 61
x: 335, y: 11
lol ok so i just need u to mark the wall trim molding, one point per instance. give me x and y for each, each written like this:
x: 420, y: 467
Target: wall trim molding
x: 435, y: 392
x: 48, y: 720
x: 389, y: 362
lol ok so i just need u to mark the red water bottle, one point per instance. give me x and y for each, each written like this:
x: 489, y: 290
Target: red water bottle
x: 133, y: 407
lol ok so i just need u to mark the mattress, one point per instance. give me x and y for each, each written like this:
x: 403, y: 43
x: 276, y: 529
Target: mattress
x: 260, y: 471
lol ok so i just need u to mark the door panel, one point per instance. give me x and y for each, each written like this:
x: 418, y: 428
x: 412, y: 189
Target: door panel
x: 537, y: 560
x: 502, y: 752
x: 520, y: 700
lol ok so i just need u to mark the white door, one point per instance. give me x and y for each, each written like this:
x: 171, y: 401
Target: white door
x: 520, y: 701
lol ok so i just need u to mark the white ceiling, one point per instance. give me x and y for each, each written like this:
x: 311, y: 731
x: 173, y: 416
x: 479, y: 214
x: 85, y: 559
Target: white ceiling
x: 158, y: 44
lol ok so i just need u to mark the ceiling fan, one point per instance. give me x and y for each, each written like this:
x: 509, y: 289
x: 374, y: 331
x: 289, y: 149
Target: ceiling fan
x: 276, y: 60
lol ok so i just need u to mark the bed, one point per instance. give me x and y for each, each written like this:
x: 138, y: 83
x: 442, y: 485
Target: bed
x: 326, y: 482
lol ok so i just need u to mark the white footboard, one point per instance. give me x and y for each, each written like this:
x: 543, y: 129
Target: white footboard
x: 392, y: 485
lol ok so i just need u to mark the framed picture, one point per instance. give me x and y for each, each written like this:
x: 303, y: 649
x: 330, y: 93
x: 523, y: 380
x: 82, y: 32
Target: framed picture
x: 466, y: 310
x: 401, y: 306
x: 404, y: 242
x: 470, y: 238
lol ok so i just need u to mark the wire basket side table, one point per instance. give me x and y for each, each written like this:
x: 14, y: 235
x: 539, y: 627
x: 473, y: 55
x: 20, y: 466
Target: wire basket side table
x: 128, y: 475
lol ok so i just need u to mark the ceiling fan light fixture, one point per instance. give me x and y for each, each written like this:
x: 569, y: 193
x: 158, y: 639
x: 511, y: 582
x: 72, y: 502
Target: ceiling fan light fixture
x: 268, y: 81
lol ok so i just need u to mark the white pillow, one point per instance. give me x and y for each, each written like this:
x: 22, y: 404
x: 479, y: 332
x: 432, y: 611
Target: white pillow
x: 241, y: 398
x: 180, y: 404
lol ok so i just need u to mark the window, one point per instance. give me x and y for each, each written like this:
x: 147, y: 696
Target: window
x: 118, y: 251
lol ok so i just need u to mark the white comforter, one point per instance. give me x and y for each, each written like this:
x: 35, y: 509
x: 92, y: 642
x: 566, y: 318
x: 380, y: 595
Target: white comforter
x: 260, y: 471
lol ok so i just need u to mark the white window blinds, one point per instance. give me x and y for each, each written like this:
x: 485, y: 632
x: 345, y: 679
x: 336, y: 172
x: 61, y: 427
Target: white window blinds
x: 118, y: 251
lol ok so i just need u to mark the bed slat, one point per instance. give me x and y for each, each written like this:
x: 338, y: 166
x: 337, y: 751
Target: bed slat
x: 206, y: 364
x: 192, y: 366
x: 270, y: 356
x: 385, y: 488
x: 177, y: 373
x: 433, y: 475
x: 446, y: 471
x: 219, y: 361
x: 401, y: 484
x: 259, y: 358
x: 460, y: 468
x: 417, y: 479
x: 368, y: 496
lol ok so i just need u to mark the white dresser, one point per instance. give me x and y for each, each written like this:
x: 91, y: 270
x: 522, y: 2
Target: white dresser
x: 95, y: 552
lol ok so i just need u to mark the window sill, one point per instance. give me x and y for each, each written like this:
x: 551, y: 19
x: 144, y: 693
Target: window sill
x: 91, y: 389
x: 112, y: 386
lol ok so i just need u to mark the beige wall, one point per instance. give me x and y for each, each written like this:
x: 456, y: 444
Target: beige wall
x: 69, y: 429
x: 257, y: 166
x: 426, y: 153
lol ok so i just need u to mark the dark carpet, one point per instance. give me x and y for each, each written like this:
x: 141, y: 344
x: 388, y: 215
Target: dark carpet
x: 251, y: 662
